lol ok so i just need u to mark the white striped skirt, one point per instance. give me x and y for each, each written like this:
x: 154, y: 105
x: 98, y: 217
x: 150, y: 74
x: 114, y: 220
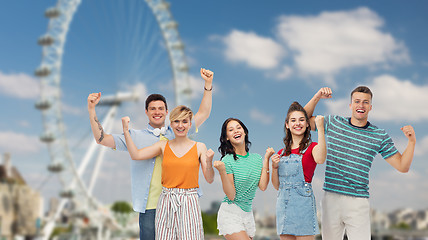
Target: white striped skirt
x: 178, y: 215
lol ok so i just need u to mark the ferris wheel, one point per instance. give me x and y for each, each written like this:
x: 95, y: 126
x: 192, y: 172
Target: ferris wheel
x: 70, y: 172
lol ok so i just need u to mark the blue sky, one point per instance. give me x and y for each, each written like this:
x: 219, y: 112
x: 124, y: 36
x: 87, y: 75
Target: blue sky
x: 265, y: 55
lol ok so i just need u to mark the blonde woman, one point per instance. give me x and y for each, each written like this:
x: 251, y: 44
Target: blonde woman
x: 178, y: 213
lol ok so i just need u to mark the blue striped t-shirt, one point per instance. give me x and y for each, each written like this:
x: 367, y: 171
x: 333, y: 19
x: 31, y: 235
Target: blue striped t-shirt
x: 350, y: 153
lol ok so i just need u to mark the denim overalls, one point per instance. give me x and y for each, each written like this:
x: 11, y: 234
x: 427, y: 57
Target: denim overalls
x: 295, y: 207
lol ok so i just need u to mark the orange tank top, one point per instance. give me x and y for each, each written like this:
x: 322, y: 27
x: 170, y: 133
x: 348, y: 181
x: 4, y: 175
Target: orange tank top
x: 180, y: 172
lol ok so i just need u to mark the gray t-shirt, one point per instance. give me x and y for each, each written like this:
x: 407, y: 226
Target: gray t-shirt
x: 350, y: 153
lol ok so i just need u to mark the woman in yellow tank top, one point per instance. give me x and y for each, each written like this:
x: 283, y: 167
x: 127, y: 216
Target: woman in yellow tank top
x: 178, y: 214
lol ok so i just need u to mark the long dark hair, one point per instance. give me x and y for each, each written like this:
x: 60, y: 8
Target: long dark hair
x: 306, y: 140
x: 225, y: 145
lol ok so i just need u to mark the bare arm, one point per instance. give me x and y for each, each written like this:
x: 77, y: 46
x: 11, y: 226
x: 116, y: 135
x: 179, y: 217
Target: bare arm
x: 206, y: 103
x: 206, y: 158
x: 320, y: 150
x: 264, y: 178
x: 143, y: 153
x: 324, y: 92
x: 275, y: 177
x: 402, y: 162
x: 226, y: 180
x: 97, y: 130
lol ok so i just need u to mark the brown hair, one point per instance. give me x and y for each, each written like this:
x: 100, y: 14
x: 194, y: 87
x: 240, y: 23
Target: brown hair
x: 362, y: 89
x: 288, y: 139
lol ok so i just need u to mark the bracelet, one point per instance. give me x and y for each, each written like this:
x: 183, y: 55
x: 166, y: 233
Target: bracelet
x: 208, y: 89
x: 267, y: 171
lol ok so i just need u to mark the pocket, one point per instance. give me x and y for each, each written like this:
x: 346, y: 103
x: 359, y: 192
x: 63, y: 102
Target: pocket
x: 287, y: 169
x: 305, y: 190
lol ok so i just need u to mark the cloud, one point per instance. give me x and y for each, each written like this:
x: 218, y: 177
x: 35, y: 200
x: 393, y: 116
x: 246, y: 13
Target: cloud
x: 19, y: 143
x: 338, y: 107
x: 322, y: 45
x: 264, y: 118
x: 396, y: 99
x: 72, y: 110
x: 19, y: 85
x: 393, y: 100
x: 197, y: 85
x: 333, y: 41
x: 254, y: 50
x: 385, y: 186
x: 24, y: 123
x: 282, y: 74
x: 421, y: 146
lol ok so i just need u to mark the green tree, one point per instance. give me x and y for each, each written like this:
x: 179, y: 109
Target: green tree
x: 121, y: 207
x: 209, y: 222
x: 57, y: 231
x: 402, y: 226
x: 122, y: 211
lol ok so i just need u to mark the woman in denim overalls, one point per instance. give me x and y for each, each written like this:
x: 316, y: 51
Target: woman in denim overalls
x: 293, y: 168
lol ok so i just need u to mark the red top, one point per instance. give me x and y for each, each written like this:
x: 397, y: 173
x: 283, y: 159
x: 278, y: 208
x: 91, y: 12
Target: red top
x: 308, y: 162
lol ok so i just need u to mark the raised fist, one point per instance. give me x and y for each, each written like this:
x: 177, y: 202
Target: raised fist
x: 269, y: 152
x: 207, y: 75
x: 220, y: 166
x: 319, y: 121
x: 409, y: 132
x: 275, y: 160
x: 93, y: 100
x: 324, y: 92
x: 125, y: 123
x: 210, y: 154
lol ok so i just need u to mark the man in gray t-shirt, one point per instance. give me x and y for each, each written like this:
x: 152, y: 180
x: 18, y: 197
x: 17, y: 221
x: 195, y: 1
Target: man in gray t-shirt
x: 352, y: 144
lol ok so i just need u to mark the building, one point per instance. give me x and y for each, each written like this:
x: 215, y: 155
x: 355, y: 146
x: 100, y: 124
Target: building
x: 20, y: 206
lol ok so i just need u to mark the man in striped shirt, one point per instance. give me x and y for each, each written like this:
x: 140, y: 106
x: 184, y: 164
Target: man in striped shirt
x: 352, y: 144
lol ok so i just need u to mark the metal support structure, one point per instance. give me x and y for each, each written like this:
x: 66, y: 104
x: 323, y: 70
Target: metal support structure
x: 49, y: 72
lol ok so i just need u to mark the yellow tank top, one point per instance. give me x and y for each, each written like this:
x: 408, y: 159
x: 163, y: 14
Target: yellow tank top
x: 180, y: 172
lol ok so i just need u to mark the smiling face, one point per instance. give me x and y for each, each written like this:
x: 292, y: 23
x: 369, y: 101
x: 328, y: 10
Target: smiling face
x: 181, y: 127
x: 156, y: 113
x: 235, y: 133
x: 297, y: 123
x: 361, y: 105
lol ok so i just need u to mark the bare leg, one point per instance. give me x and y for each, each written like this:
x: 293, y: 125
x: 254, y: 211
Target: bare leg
x: 242, y: 235
x: 287, y: 237
x: 308, y: 237
x: 291, y: 237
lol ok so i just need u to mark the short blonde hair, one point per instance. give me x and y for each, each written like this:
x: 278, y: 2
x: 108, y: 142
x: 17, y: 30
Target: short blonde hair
x: 180, y: 112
